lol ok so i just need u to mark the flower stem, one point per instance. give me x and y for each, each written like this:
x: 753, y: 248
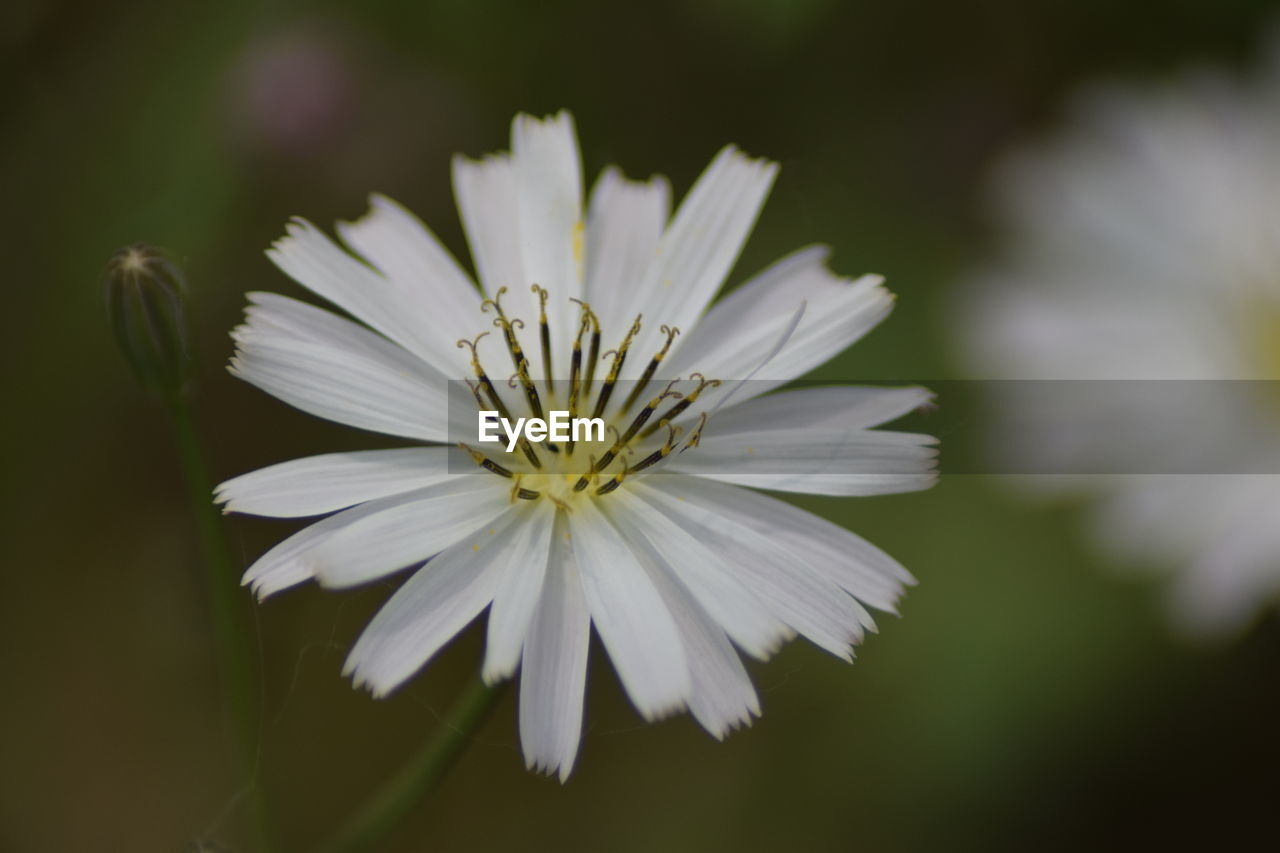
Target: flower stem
x: 229, y: 616
x: 400, y: 794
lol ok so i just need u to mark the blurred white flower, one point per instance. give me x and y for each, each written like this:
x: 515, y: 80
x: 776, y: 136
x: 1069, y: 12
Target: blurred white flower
x: 1143, y: 243
x: 647, y: 534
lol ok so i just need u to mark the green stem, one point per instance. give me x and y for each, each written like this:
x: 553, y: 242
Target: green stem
x: 402, y: 793
x: 228, y: 613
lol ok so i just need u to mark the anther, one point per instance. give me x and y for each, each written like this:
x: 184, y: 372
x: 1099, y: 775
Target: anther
x: 546, y: 336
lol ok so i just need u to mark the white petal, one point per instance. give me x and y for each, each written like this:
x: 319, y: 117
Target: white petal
x: 707, y: 578
x: 343, y: 386
x: 270, y: 316
x: 410, y: 532
x: 774, y: 291
x: 552, y: 233
x: 516, y: 599
x: 840, y: 556
x: 489, y: 207
x: 553, y: 675
x: 751, y: 319
x: 489, y: 201
x: 310, y: 258
x: 850, y: 407
x: 414, y: 261
x: 797, y: 594
x: 701, y: 246
x: 438, y: 601
x: 625, y: 220
x: 549, y: 186
x: 722, y: 696
x: 634, y: 624
x: 287, y: 565
x: 816, y: 461
x: 321, y: 484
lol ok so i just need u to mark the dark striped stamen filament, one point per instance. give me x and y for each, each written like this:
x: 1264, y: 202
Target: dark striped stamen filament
x: 545, y: 336
x: 670, y: 332
x: 619, y: 358
x: 518, y: 359
x: 486, y: 385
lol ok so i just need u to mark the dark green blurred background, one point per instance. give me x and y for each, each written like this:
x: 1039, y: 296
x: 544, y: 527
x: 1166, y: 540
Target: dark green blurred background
x: 1029, y: 696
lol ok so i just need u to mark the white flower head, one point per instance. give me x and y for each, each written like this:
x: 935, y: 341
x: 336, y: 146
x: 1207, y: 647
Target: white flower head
x: 1143, y: 243
x: 645, y: 532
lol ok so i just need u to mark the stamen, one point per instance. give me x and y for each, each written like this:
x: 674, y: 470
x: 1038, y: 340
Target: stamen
x: 521, y: 493
x: 691, y: 398
x: 696, y: 436
x: 475, y: 392
x: 482, y: 377
x: 518, y: 359
x: 639, y: 421
x: 619, y: 356
x: 593, y: 355
x: 604, y: 473
x: 614, y: 482
x: 644, y: 414
x: 575, y: 362
x: 585, y: 479
x: 492, y: 393
x: 485, y: 462
x: 575, y: 366
x: 616, y: 479
x: 546, y: 337
x: 670, y: 332
x: 673, y: 432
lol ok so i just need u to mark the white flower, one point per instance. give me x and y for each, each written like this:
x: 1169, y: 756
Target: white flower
x: 643, y: 535
x: 1143, y: 243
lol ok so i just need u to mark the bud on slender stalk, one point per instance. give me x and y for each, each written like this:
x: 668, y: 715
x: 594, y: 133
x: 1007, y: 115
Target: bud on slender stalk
x: 145, y: 292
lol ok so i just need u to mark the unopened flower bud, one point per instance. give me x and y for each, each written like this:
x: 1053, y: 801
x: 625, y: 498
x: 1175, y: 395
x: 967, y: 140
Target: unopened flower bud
x: 145, y: 292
